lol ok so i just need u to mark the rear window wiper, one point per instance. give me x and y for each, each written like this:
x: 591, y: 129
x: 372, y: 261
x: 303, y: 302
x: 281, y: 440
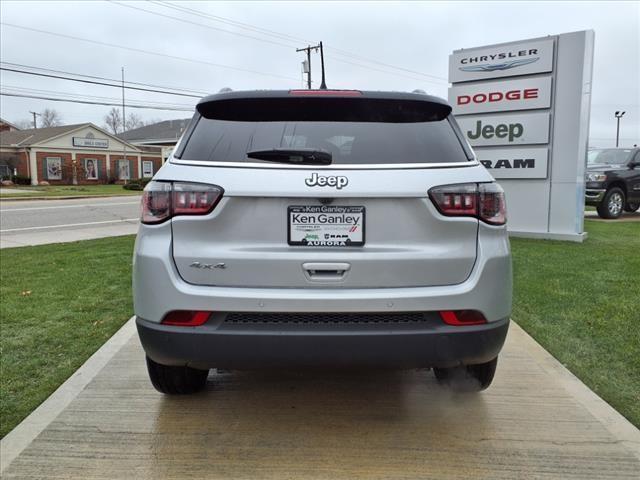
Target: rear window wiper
x: 302, y: 156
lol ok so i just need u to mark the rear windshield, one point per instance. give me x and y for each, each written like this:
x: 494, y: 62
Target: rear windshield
x: 349, y: 142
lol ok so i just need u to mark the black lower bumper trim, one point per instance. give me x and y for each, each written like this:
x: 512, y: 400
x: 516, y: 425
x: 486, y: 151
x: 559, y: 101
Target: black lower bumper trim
x: 209, y: 347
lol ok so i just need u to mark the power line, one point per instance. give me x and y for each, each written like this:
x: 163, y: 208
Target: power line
x: 95, y: 82
x: 75, y: 96
x: 228, y: 21
x: 87, y: 102
x: 290, y: 38
x: 147, y: 52
x: 166, y: 87
x: 198, y: 24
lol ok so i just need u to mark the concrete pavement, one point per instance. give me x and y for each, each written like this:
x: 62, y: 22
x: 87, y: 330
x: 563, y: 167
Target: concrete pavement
x: 52, y: 221
x: 536, y: 421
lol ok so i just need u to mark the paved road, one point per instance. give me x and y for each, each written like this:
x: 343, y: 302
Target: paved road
x: 38, y: 222
x: 536, y: 422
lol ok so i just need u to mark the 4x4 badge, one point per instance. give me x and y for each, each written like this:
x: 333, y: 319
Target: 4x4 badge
x: 330, y: 181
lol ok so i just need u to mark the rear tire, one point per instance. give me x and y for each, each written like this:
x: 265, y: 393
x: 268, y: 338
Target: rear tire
x: 173, y: 380
x: 612, y: 204
x: 467, y: 378
x: 631, y: 207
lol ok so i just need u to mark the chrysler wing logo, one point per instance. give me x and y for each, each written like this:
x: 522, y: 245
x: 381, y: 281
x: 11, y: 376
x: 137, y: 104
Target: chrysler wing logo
x: 491, y: 67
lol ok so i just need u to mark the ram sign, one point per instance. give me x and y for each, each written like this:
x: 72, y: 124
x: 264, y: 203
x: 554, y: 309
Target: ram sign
x: 512, y: 163
x: 524, y: 108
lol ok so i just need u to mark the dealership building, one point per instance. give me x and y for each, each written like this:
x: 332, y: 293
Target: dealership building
x: 75, y: 154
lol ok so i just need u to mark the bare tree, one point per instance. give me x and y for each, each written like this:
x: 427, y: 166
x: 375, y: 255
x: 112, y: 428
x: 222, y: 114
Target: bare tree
x: 113, y: 120
x: 24, y: 124
x: 50, y: 118
x: 133, y: 121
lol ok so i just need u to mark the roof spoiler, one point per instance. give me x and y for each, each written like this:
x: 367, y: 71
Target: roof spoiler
x: 289, y: 107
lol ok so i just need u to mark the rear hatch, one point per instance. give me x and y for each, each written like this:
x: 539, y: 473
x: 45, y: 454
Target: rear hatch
x: 362, y: 221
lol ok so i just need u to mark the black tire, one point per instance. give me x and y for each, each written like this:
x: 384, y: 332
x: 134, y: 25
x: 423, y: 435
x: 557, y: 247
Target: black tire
x: 631, y: 207
x: 176, y: 380
x: 612, y: 204
x: 468, y: 378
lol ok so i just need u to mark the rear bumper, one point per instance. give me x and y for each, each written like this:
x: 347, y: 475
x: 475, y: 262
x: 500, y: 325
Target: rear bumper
x: 210, y: 346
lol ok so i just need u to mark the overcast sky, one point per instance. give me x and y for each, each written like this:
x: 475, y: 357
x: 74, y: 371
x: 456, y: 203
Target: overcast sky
x: 417, y: 37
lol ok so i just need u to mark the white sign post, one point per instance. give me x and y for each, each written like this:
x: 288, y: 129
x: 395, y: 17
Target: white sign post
x: 524, y: 108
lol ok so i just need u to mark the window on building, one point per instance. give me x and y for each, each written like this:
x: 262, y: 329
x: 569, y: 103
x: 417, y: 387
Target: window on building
x: 91, y: 168
x: 147, y: 168
x: 53, y: 168
x: 124, y: 172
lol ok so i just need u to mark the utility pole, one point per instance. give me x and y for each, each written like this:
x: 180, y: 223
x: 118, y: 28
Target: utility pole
x: 618, y: 116
x: 124, y: 143
x: 123, y: 113
x: 308, y: 49
x: 35, y: 124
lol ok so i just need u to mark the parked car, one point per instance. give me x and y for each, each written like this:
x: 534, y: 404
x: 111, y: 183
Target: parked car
x: 613, y: 180
x: 313, y: 228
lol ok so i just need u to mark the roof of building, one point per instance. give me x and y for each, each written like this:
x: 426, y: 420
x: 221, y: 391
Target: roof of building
x: 24, y: 138
x: 168, y: 130
x: 6, y: 122
x: 36, y: 136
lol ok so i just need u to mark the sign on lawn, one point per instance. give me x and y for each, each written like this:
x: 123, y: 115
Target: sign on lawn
x: 524, y: 108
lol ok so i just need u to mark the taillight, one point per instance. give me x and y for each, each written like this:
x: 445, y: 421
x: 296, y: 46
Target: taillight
x: 186, y: 318
x: 484, y: 201
x: 462, y: 317
x: 163, y: 200
x: 491, y: 205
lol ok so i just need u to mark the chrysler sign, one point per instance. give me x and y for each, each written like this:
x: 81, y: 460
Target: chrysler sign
x: 511, y: 129
x: 506, y: 61
x: 515, y: 163
x: 501, y: 96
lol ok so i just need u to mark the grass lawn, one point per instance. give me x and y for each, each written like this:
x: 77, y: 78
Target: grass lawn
x: 66, y: 191
x: 582, y: 303
x: 58, y: 305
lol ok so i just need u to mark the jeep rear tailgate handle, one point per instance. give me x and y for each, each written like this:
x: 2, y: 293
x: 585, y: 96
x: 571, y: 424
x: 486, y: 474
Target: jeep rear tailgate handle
x: 326, y: 271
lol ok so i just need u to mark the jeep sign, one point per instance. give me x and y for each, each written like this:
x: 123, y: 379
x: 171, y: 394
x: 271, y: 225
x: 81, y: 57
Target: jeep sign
x: 502, y: 96
x: 515, y: 163
x: 501, y: 61
x: 512, y: 129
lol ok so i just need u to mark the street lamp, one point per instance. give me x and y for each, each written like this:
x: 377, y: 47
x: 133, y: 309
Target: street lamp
x: 618, y: 116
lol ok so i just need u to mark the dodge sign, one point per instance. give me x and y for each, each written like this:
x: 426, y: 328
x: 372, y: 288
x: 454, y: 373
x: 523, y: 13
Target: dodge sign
x: 507, y: 95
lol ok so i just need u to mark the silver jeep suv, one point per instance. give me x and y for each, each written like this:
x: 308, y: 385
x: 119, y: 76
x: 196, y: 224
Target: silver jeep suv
x: 322, y: 228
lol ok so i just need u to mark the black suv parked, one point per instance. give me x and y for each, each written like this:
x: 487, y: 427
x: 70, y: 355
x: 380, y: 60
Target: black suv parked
x: 613, y: 181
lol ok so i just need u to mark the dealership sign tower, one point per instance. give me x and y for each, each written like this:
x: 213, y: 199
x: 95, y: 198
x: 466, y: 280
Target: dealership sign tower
x: 524, y: 108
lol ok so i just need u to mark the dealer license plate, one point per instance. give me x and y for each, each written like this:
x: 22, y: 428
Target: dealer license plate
x: 326, y: 226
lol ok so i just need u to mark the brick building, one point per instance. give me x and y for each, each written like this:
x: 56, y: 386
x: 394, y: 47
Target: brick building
x: 7, y: 126
x: 75, y: 154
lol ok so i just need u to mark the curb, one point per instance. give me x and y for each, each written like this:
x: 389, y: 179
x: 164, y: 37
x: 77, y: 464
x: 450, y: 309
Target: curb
x: 617, y: 425
x: 76, y: 197
x: 26, y: 431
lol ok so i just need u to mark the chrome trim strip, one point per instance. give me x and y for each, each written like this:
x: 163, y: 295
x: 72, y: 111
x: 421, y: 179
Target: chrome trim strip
x: 280, y: 166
